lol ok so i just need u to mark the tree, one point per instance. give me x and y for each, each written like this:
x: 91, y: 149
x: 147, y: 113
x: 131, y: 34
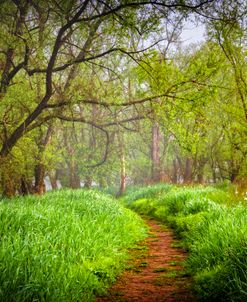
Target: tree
x: 46, y: 45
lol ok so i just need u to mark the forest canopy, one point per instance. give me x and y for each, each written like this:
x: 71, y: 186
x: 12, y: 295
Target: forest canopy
x: 105, y: 93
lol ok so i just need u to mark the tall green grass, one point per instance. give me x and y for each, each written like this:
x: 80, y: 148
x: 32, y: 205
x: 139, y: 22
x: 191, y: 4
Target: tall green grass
x: 63, y: 246
x: 214, y: 230
x: 150, y: 191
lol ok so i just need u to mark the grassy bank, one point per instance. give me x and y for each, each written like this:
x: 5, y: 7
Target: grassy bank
x: 214, y: 230
x: 63, y: 246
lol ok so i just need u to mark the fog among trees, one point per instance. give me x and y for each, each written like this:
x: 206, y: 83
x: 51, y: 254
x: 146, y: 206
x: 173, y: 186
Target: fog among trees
x: 104, y: 93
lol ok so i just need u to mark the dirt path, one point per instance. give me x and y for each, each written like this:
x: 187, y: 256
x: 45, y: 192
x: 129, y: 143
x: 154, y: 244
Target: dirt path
x: 157, y: 275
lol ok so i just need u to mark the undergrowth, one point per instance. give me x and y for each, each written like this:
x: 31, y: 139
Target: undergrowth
x: 213, y: 228
x: 63, y: 246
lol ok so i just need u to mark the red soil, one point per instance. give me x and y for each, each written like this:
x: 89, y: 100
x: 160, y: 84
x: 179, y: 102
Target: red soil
x: 157, y: 275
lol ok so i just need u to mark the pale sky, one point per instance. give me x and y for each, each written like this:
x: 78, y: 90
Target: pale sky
x: 192, y: 33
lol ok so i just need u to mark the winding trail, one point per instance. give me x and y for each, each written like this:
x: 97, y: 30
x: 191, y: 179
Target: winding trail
x: 157, y: 274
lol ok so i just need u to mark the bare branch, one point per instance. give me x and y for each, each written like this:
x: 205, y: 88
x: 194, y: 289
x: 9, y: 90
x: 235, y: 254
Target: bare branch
x: 81, y: 58
x: 143, y: 3
x: 100, y: 127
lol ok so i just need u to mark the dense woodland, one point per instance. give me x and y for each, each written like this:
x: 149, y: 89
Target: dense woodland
x: 105, y: 93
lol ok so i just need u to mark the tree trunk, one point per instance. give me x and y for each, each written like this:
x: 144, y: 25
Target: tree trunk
x: 234, y: 169
x: 74, y: 179
x: 175, y: 172
x: 53, y: 179
x: 7, y: 180
x: 88, y: 182
x: 39, y: 175
x: 188, y: 170
x: 200, y: 170
x: 200, y: 178
x: 25, y: 186
x: 8, y: 187
x: 122, y: 163
x: 155, y: 153
x: 233, y: 176
x: 123, y: 175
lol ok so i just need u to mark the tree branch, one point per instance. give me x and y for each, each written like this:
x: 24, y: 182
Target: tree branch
x: 18, y: 132
x: 143, y: 3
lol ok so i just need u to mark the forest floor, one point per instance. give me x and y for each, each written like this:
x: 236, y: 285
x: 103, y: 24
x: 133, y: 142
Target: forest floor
x: 157, y: 273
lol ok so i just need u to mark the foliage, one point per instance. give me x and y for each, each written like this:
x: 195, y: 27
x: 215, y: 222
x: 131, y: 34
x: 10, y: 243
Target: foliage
x: 74, y: 75
x: 63, y: 246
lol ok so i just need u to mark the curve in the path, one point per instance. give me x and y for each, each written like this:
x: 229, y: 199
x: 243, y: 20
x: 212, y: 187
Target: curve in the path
x: 157, y: 276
